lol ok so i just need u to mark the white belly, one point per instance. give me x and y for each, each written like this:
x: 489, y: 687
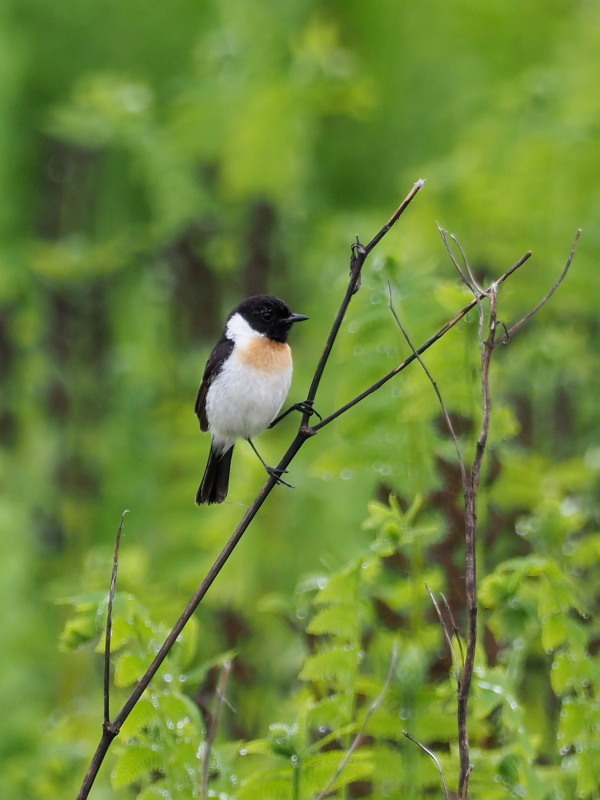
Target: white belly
x: 242, y: 401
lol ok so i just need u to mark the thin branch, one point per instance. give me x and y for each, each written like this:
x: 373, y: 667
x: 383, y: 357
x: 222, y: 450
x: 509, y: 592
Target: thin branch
x: 358, y: 258
x: 471, y: 494
x: 358, y: 738
x: 433, y: 756
x: 214, y: 724
x: 109, y: 609
x: 455, y: 630
x: 396, y: 215
x: 465, y: 792
x: 471, y: 487
x: 442, y: 621
x: 514, y: 328
x: 473, y: 283
x: 431, y: 341
x: 465, y: 272
x: 436, y: 389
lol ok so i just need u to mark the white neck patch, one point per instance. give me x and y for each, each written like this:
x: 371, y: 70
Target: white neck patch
x: 238, y: 329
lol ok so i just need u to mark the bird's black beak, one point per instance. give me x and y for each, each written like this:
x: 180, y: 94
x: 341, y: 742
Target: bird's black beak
x: 296, y: 318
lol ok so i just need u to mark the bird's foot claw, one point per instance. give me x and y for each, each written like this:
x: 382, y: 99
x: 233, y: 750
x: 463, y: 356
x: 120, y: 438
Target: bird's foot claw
x: 306, y: 407
x: 276, y: 473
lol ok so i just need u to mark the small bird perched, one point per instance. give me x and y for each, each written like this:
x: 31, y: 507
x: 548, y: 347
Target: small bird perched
x: 245, y: 383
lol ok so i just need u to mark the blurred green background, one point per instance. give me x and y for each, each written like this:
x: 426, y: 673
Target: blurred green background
x: 160, y: 161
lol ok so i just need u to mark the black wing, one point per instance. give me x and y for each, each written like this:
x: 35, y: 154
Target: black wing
x: 215, y: 361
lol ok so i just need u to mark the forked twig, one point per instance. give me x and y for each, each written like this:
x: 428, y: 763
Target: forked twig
x: 471, y: 494
x: 489, y: 343
x: 465, y: 271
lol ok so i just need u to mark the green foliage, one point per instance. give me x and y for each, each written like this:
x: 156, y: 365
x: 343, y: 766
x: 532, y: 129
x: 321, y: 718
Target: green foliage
x: 157, y: 162
x: 376, y: 665
x: 162, y: 737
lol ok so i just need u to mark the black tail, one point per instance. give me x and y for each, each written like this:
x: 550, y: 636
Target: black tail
x: 215, y: 482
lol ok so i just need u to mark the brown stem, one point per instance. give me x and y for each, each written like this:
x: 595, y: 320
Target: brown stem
x: 489, y: 344
x: 471, y: 493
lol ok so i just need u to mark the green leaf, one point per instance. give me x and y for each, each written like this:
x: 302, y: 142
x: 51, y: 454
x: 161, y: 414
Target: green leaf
x: 142, y: 715
x: 268, y: 785
x: 137, y: 762
x: 129, y: 667
x: 331, y: 711
x: 573, y: 670
x: 186, y: 646
x: 340, y: 589
x: 153, y: 792
x: 339, y: 621
x: 79, y: 631
x: 177, y: 710
x: 555, y: 631
x: 335, y: 664
x: 318, y: 770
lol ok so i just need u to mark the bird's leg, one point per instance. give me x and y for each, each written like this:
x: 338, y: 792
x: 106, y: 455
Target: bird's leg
x: 273, y: 471
x: 304, y: 406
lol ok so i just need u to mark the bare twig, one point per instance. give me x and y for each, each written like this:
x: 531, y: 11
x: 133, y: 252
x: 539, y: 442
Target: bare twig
x: 436, y: 389
x: 471, y: 492
x: 109, y: 608
x: 442, y: 621
x: 471, y: 481
x: 455, y: 630
x: 514, y: 328
x: 433, y: 756
x: 465, y: 271
x: 359, y: 255
x: 213, y: 725
x: 358, y: 738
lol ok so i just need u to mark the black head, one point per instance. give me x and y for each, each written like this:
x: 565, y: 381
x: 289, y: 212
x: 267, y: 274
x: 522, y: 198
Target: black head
x: 267, y: 314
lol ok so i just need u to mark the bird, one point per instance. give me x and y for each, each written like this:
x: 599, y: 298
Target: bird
x: 245, y: 383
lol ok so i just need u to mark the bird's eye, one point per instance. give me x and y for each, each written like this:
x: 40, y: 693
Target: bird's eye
x: 266, y: 314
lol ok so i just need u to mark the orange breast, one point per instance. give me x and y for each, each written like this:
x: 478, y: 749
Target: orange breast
x: 266, y: 355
